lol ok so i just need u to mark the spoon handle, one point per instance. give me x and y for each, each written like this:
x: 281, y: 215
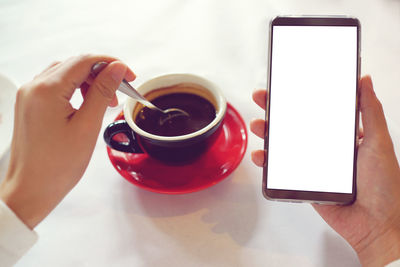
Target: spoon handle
x: 124, y: 87
x: 127, y: 89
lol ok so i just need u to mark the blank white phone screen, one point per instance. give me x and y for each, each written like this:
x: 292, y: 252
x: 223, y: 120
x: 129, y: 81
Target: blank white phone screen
x: 312, y: 108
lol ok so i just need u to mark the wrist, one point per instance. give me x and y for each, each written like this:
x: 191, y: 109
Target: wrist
x: 22, y: 203
x: 381, y: 249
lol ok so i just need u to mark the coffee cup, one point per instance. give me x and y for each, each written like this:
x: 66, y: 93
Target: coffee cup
x: 179, y: 139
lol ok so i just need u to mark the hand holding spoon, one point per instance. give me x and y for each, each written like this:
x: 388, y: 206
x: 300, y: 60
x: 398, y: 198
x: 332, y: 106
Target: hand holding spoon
x: 127, y: 89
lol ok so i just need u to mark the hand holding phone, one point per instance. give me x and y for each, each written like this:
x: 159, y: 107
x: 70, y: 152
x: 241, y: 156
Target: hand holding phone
x: 371, y: 224
x: 313, y: 81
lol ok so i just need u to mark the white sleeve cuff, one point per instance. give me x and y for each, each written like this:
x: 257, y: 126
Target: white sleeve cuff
x: 15, y: 237
x: 395, y: 263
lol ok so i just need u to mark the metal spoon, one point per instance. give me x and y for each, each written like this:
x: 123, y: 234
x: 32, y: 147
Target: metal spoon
x: 127, y: 89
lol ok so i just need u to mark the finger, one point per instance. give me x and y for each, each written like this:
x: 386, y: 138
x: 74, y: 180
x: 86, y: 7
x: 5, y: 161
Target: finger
x: 76, y: 70
x: 325, y: 210
x: 114, y: 102
x: 373, y: 118
x: 51, y: 66
x: 48, y: 69
x: 260, y: 97
x: 360, y: 140
x: 258, y: 157
x: 257, y: 126
x: 360, y: 133
x: 129, y: 77
x: 89, y: 80
x: 100, y: 94
x: 84, y: 88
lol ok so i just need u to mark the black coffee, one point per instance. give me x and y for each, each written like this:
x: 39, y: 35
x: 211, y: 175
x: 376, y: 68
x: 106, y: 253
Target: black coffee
x: 201, y: 113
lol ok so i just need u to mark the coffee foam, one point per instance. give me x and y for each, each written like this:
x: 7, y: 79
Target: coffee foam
x: 189, y: 88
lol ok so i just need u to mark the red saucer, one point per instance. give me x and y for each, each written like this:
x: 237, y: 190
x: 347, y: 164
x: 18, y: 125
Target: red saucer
x: 213, y: 166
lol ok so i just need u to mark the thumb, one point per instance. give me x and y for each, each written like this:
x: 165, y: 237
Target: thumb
x: 101, y: 92
x: 373, y: 117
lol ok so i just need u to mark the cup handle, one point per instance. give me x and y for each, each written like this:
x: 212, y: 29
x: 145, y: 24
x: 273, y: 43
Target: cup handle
x: 117, y: 127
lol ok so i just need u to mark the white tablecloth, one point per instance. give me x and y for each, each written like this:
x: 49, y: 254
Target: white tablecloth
x: 106, y: 221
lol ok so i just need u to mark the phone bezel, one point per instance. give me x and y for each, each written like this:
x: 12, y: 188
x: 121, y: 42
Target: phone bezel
x: 312, y: 196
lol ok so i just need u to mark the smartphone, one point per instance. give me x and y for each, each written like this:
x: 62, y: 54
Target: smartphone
x: 312, y: 110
